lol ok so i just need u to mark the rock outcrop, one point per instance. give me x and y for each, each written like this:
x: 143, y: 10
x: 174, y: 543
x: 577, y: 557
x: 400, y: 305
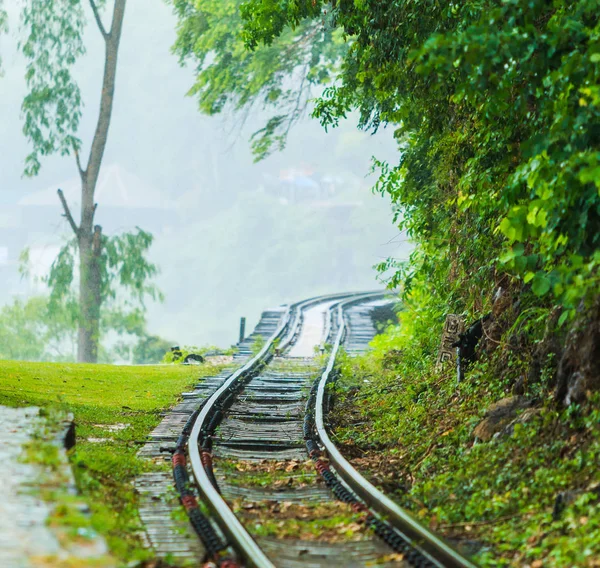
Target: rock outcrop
x: 501, y: 416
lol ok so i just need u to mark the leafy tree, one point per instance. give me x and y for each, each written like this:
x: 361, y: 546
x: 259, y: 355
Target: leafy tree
x: 52, y: 111
x: 124, y: 275
x: 497, y: 110
x: 278, y: 77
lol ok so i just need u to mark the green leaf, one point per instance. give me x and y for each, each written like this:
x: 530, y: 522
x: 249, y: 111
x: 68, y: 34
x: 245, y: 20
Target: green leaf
x: 517, y: 250
x: 563, y: 317
x: 507, y: 228
x: 541, y: 284
x: 52, y: 108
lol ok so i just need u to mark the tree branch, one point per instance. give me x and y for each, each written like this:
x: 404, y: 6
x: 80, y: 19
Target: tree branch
x: 78, y: 160
x: 67, y: 213
x: 106, y: 105
x: 98, y: 19
x: 297, y: 108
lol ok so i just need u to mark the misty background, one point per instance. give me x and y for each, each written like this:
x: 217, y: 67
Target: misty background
x: 231, y: 237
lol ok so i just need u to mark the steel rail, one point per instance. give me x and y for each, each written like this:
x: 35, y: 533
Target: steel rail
x: 297, y: 324
x: 237, y: 534
x: 428, y: 543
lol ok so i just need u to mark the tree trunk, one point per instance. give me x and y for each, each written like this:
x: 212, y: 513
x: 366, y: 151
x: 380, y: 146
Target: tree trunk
x: 90, y: 299
x: 90, y: 237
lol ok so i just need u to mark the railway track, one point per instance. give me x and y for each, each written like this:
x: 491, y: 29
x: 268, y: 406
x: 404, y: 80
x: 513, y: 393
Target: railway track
x: 263, y: 483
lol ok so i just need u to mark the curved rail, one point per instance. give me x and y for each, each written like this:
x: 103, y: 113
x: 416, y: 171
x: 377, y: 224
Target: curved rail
x: 296, y: 325
x: 435, y: 549
x: 211, y: 413
x: 226, y: 518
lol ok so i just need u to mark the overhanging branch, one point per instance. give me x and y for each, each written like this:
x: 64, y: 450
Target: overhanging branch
x: 67, y: 213
x: 98, y: 19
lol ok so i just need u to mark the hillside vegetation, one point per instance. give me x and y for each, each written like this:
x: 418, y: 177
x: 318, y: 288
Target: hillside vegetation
x: 520, y: 488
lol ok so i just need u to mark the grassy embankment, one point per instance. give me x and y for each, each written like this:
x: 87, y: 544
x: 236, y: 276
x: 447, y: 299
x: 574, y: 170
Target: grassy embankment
x: 115, y: 408
x: 411, y: 428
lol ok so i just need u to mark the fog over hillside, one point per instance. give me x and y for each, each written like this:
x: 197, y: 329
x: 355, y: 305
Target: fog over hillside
x: 231, y: 237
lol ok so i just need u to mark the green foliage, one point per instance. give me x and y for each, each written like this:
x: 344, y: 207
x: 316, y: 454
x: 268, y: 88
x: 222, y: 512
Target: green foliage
x: 497, y: 110
x: 497, y: 115
x: 150, y: 349
x: 52, y: 108
x: 168, y: 356
x: 29, y: 330
x: 127, y: 266
x: 278, y: 77
x: 44, y: 329
x: 123, y: 266
x: 19, y: 331
x: 125, y: 274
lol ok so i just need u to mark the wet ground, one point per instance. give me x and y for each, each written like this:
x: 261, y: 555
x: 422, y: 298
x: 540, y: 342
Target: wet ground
x: 25, y: 539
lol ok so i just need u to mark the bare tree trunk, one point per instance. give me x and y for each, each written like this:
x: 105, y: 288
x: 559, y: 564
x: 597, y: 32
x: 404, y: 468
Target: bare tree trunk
x: 89, y: 237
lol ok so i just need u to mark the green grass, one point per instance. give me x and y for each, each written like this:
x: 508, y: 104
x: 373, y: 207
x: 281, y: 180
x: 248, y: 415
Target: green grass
x: 102, y: 397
